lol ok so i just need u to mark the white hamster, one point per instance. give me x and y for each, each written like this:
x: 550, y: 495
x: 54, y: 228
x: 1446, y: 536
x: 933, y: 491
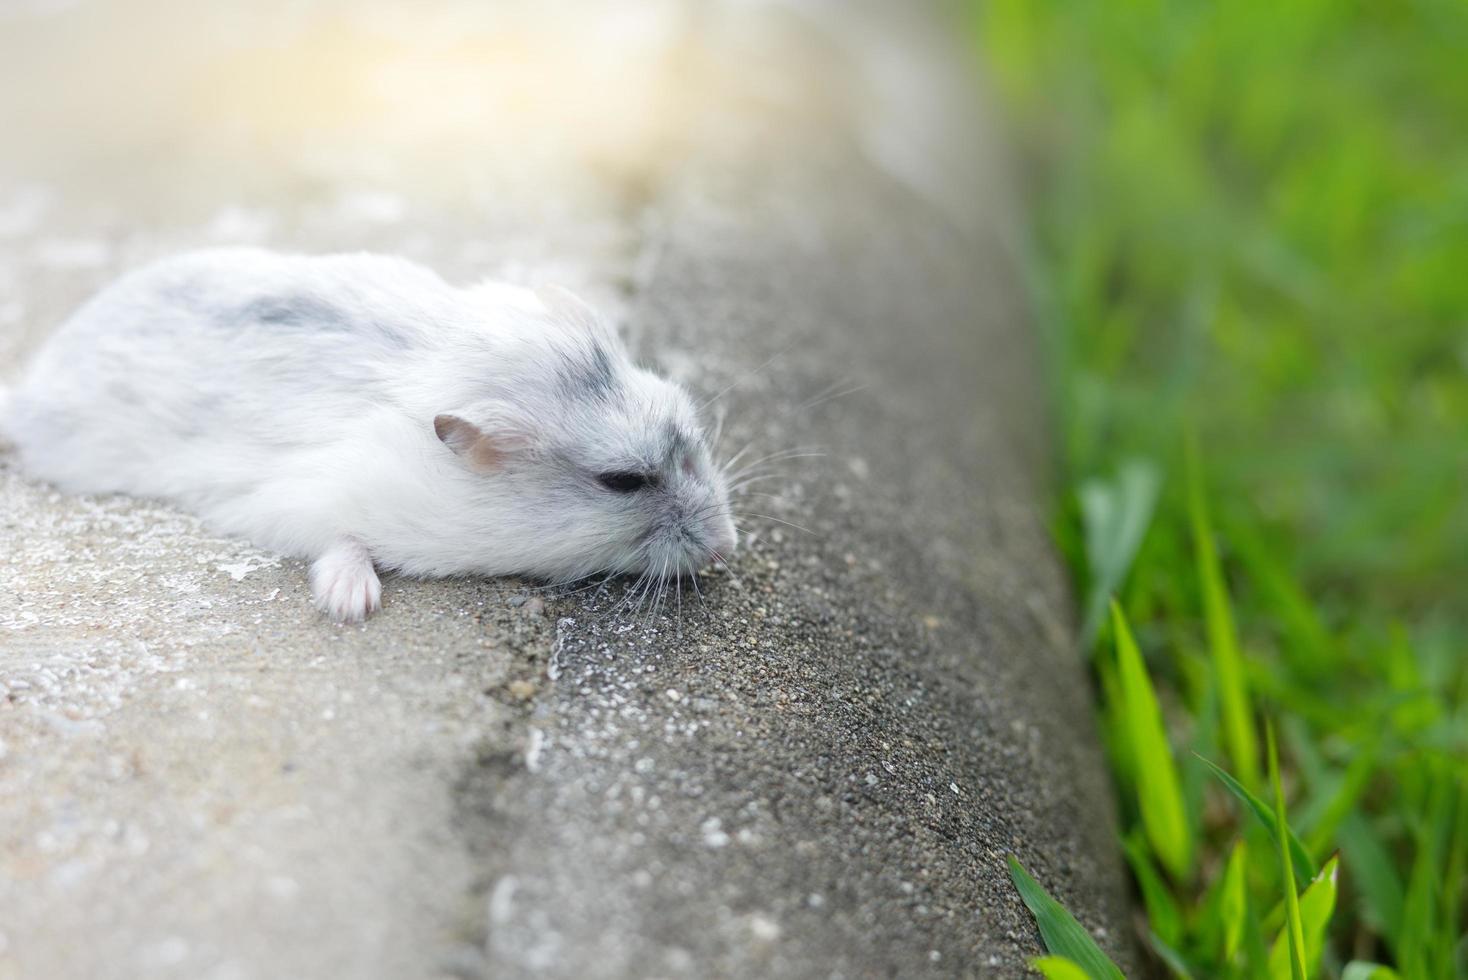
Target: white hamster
x: 358, y: 411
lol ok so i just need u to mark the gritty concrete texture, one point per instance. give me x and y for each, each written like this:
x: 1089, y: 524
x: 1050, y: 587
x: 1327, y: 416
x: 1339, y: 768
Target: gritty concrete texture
x: 815, y: 767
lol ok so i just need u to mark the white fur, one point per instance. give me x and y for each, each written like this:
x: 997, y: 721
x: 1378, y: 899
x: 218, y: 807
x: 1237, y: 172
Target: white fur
x: 344, y: 583
x: 291, y: 400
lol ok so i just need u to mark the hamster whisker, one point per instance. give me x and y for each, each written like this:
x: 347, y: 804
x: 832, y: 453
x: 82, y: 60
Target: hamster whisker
x: 752, y: 536
x: 797, y: 452
x: 705, y: 509
x: 829, y: 393
x: 723, y: 563
x: 654, y: 583
x: 626, y: 588
x: 693, y: 580
x: 762, y: 493
x: 780, y: 520
x: 727, y: 464
x: 749, y: 481
x: 654, y: 599
x: 747, y: 375
x: 764, y: 471
x: 590, y: 582
x: 825, y: 391
x: 633, y: 612
x: 718, y: 437
x: 663, y: 591
x: 666, y: 586
x: 654, y: 586
x: 628, y: 593
x: 644, y: 597
x: 678, y: 583
x: 631, y: 599
x: 728, y: 471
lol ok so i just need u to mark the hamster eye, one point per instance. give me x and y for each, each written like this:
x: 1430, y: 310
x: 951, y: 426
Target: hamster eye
x: 627, y: 482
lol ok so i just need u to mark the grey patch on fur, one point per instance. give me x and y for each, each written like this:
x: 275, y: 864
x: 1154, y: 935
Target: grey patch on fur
x: 678, y: 443
x: 309, y: 312
x: 591, y: 378
x: 293, y: 311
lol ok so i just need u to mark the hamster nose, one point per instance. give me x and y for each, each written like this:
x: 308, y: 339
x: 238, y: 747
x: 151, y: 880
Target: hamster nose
x: 723, y: 539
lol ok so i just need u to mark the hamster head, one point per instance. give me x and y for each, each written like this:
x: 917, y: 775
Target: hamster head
x: 589, y: 464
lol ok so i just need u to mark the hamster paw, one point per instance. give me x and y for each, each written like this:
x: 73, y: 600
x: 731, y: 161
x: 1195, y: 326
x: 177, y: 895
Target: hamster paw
x: 344, y: 584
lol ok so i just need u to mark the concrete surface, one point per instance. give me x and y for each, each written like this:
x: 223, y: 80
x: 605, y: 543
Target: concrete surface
x: 816, y: 769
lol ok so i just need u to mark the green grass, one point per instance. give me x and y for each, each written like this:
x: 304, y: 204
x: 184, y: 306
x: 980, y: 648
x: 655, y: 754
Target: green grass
x: 1249, y: 256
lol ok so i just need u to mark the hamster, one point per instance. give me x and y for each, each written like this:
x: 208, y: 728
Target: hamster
x: 360, y: 412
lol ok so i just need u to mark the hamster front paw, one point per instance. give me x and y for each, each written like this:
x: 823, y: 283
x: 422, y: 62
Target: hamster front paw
x: 344, y: 584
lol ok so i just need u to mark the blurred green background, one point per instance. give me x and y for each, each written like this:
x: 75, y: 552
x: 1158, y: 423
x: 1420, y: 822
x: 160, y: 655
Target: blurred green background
x: 1249, y: 222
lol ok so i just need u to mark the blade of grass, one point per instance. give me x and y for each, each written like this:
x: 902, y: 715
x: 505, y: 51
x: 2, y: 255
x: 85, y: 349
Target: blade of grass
x: 1204, y: 743
x: 1304, y: 866
x: 1343, y: 801
x: 1063, y: 935
x: 1294, y: 930
x: 1374, y: 876
x: 1115, y: 514
x: 1059, y: 968
x: 1223, y: 641
x: 1450, y: 922
x: 1162, y: 909
x: 1308, y: 645
x: 1170, y: 956
x: 1233, y: 900
x: 1361, y: 970
x: 1113, y: 727
x: 1256, y: 955
x: 1159, y: 798
x: 1418, y: 953
x: 1317, y: 904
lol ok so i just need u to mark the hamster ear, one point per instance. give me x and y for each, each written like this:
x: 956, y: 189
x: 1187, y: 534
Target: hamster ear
x: 570, y: 309
x: 483, y: 448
